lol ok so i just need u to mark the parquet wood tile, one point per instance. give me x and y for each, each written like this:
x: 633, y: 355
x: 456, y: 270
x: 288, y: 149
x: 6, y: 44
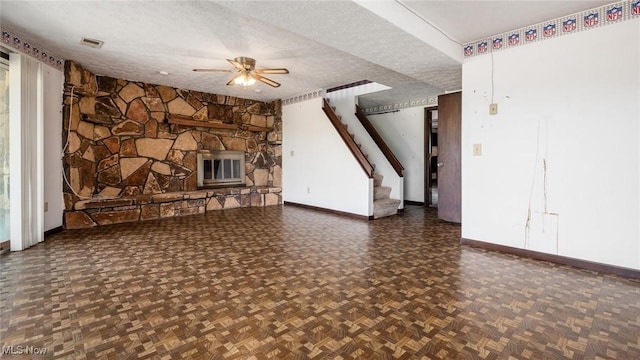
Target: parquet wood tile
x: 292, y: 283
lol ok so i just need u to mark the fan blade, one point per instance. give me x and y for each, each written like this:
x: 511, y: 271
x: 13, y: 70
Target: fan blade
x: 265, y: 80
x: 212, y: 70
x: 271, y: 71
x: 236, y: 64
x: 233, y: 81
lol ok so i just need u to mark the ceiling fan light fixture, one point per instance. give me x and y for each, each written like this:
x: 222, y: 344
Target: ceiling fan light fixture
x: 247, y: 74
x: 244, y: 79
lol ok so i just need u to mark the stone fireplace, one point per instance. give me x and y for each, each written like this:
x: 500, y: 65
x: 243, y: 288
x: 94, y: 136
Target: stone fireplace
x: 133, y: 151
x: 220, y: 168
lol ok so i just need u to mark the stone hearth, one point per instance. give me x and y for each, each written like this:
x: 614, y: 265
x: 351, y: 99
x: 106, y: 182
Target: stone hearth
x: 105, y: 211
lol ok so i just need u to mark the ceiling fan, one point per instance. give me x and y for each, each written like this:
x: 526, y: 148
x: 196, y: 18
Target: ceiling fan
x: 248, y: 74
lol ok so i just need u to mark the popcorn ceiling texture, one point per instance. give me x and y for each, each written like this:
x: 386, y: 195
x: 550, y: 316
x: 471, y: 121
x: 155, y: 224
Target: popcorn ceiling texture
x: 126, y: 162
x: 323, y: 44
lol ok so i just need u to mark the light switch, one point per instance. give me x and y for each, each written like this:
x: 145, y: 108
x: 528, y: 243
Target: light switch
x: 477, y: 149
x: 291, y: 153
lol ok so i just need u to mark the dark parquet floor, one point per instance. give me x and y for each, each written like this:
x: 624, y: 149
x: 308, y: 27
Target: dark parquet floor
x: 292, y: 283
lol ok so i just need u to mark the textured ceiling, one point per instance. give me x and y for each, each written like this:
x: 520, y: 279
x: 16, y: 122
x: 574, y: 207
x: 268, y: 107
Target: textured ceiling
x: 323, y: 43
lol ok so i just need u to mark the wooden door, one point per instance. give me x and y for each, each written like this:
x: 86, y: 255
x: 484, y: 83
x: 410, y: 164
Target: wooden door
x: 449, y: 157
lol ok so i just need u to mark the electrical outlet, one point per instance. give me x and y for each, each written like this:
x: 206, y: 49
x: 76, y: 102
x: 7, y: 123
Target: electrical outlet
x: 308, y: 190
x: 477, y: 149
x: 493, y: 109
x: 46, y: 206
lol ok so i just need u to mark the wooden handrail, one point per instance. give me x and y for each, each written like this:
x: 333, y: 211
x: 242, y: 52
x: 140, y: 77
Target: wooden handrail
x: 348, y: 140
x: 395, y: 163
x: 183, y: 120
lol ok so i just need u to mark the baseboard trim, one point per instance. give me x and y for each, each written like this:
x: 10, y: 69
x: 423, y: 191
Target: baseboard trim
x: 5, y: 246
x: 409, y: 202
x: 558, y: 259
x: 55, y: 230
x: 337, y: 212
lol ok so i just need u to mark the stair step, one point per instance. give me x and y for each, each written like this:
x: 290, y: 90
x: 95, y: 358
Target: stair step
x: 381, y: 192
x: 385, y: 207
x: 377, y: 180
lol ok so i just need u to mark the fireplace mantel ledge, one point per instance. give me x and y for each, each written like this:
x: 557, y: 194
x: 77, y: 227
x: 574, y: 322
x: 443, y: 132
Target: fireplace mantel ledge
x: 181, y: 120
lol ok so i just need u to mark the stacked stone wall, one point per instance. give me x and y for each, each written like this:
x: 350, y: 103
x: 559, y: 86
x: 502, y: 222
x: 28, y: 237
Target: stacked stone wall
x: 120, y: 146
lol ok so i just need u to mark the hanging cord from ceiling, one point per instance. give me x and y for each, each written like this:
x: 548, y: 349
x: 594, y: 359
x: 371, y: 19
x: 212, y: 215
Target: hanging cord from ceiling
x: 66, y: 146
x: 490, y: 44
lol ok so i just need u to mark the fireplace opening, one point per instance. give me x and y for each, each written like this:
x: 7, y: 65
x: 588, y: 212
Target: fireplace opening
x: 218, y: 168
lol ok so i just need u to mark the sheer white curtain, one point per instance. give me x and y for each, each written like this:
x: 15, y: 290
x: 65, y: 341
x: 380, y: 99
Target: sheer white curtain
x: 26, y: 167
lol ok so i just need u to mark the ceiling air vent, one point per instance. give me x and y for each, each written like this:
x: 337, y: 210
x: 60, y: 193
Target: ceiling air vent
x: 92, y: 42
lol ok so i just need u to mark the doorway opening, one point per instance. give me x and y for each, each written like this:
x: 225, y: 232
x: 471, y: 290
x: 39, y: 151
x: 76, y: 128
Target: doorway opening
x: 431, y: 156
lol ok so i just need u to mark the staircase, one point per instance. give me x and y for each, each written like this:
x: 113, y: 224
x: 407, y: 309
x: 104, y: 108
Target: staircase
x: 382, y: 204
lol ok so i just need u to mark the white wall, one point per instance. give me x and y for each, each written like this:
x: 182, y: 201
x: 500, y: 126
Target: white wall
x: 317, y: 167
x: 53, y: 83
x: 570, y: 104
x: 403, y: 131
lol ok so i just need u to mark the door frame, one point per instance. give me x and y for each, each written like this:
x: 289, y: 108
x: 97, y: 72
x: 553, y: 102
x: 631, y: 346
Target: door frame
x: 428, y: 169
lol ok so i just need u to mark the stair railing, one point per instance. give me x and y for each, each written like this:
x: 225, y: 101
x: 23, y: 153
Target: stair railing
x: 348, y: 140
x: 395, y: 163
